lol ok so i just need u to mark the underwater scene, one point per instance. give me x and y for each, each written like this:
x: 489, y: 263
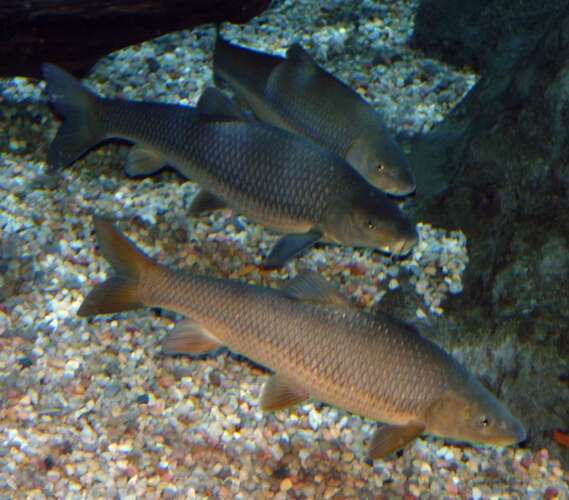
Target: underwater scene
x: 321, y: 252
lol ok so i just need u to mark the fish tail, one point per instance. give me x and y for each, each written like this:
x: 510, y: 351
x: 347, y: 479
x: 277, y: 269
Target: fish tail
x: 120, y: 292
x: 76, y: 104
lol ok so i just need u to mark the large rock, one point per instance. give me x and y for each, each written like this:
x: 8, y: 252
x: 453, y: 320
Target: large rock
x: 76, y: 34
x: 480, y: 33
x: 498, y: 168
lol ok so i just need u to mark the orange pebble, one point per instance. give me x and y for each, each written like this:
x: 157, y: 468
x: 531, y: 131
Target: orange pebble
x: 561, y: 438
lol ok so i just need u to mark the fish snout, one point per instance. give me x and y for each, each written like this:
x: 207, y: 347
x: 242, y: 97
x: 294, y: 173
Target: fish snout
x: 519, y: 432
x: 400, y: 181
x: 509, y: 433
x: 404, y: 186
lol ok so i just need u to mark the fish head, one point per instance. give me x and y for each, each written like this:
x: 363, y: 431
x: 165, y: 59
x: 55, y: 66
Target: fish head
x: 372, y: 220
x: 380, y: 160
x: 473, y: 414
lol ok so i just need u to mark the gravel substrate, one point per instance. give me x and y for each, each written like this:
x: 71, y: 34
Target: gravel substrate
x: 93, y: 409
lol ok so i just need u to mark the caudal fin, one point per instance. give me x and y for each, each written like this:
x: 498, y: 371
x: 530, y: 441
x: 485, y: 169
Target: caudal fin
x: 121, y: 291
x: 81, y: 129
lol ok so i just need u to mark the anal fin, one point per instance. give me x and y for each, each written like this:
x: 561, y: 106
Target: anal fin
x: 280, y: 393
x: 142, y: 161
x: 204, y: 201
x: 390, y: 438
x: 189, y: 337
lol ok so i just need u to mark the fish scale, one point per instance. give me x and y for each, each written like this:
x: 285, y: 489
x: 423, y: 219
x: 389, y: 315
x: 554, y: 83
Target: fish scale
x: 336, y: 341
x: 208, y: 153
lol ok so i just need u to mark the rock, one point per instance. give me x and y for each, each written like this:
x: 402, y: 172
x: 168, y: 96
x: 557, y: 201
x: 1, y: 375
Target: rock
x: 75, y: 35
x: 498, y: 169
x: 480, y: 33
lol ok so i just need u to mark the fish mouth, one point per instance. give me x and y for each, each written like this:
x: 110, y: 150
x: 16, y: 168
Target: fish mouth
x: 404, y: 246
x: 400, y: 249
x: 403, y: 190
x: 520, y: 433
x: 400, y: 185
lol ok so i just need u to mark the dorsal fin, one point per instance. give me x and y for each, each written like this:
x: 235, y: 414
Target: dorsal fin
x: 215, y: 105
x: 311, y: 287
x: 298, y: 55
x: 297, y: 70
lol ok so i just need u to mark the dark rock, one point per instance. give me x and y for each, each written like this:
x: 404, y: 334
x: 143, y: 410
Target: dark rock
x: 281, y: 472
x: 153, y: 64
x: 385, y: 55
x: 498, y: 168
x: 76, y: 34
x: 479, y: 33
x: 143, y: 399
x: 25, y: 362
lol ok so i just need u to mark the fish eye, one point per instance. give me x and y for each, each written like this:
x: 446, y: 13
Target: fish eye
x: 484, y: 421
x: 370, y: 224
x: 380, y: 168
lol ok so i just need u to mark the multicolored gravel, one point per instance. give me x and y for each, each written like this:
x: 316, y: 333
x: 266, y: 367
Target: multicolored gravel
x: 92, y: 409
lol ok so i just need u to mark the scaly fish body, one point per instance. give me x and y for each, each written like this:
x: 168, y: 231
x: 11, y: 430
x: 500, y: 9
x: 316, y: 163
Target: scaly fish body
x: 319, y: 347
x: 274, y: 177
x: 268, y: 188
x: 346, y: 358
x: 297, y: 94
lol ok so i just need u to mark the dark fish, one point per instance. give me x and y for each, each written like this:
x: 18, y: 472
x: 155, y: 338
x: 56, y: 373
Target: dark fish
x: 274, y: 177
x: 297, y: 94
x: 319, y: 346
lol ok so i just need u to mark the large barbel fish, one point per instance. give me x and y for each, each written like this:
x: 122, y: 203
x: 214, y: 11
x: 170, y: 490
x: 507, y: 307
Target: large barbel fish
x: 319, y: 346
x: 297, y: 94
x: 272, y: 176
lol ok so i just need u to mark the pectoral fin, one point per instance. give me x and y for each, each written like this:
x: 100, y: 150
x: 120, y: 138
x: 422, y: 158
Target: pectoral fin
x: 311, y: 287
x: 289, y: 246
x: 142, y: 161
x: 204, y: 201
x: 279, y: 393
x: 390, y: 438
x: 189, y: 337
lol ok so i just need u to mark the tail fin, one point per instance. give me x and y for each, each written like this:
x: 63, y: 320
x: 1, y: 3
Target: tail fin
x: 80, y: 130
x: 119, y: 292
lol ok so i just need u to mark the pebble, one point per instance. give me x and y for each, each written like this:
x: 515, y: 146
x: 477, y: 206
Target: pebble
x: 99, y: 411
x: 286, y: 484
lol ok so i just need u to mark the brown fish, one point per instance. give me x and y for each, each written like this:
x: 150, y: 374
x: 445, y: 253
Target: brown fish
x: 319, y: 346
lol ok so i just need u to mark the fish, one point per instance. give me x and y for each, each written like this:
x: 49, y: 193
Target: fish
x: 275, y: 178
x: 297, y: 94
x: 318, y: 345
